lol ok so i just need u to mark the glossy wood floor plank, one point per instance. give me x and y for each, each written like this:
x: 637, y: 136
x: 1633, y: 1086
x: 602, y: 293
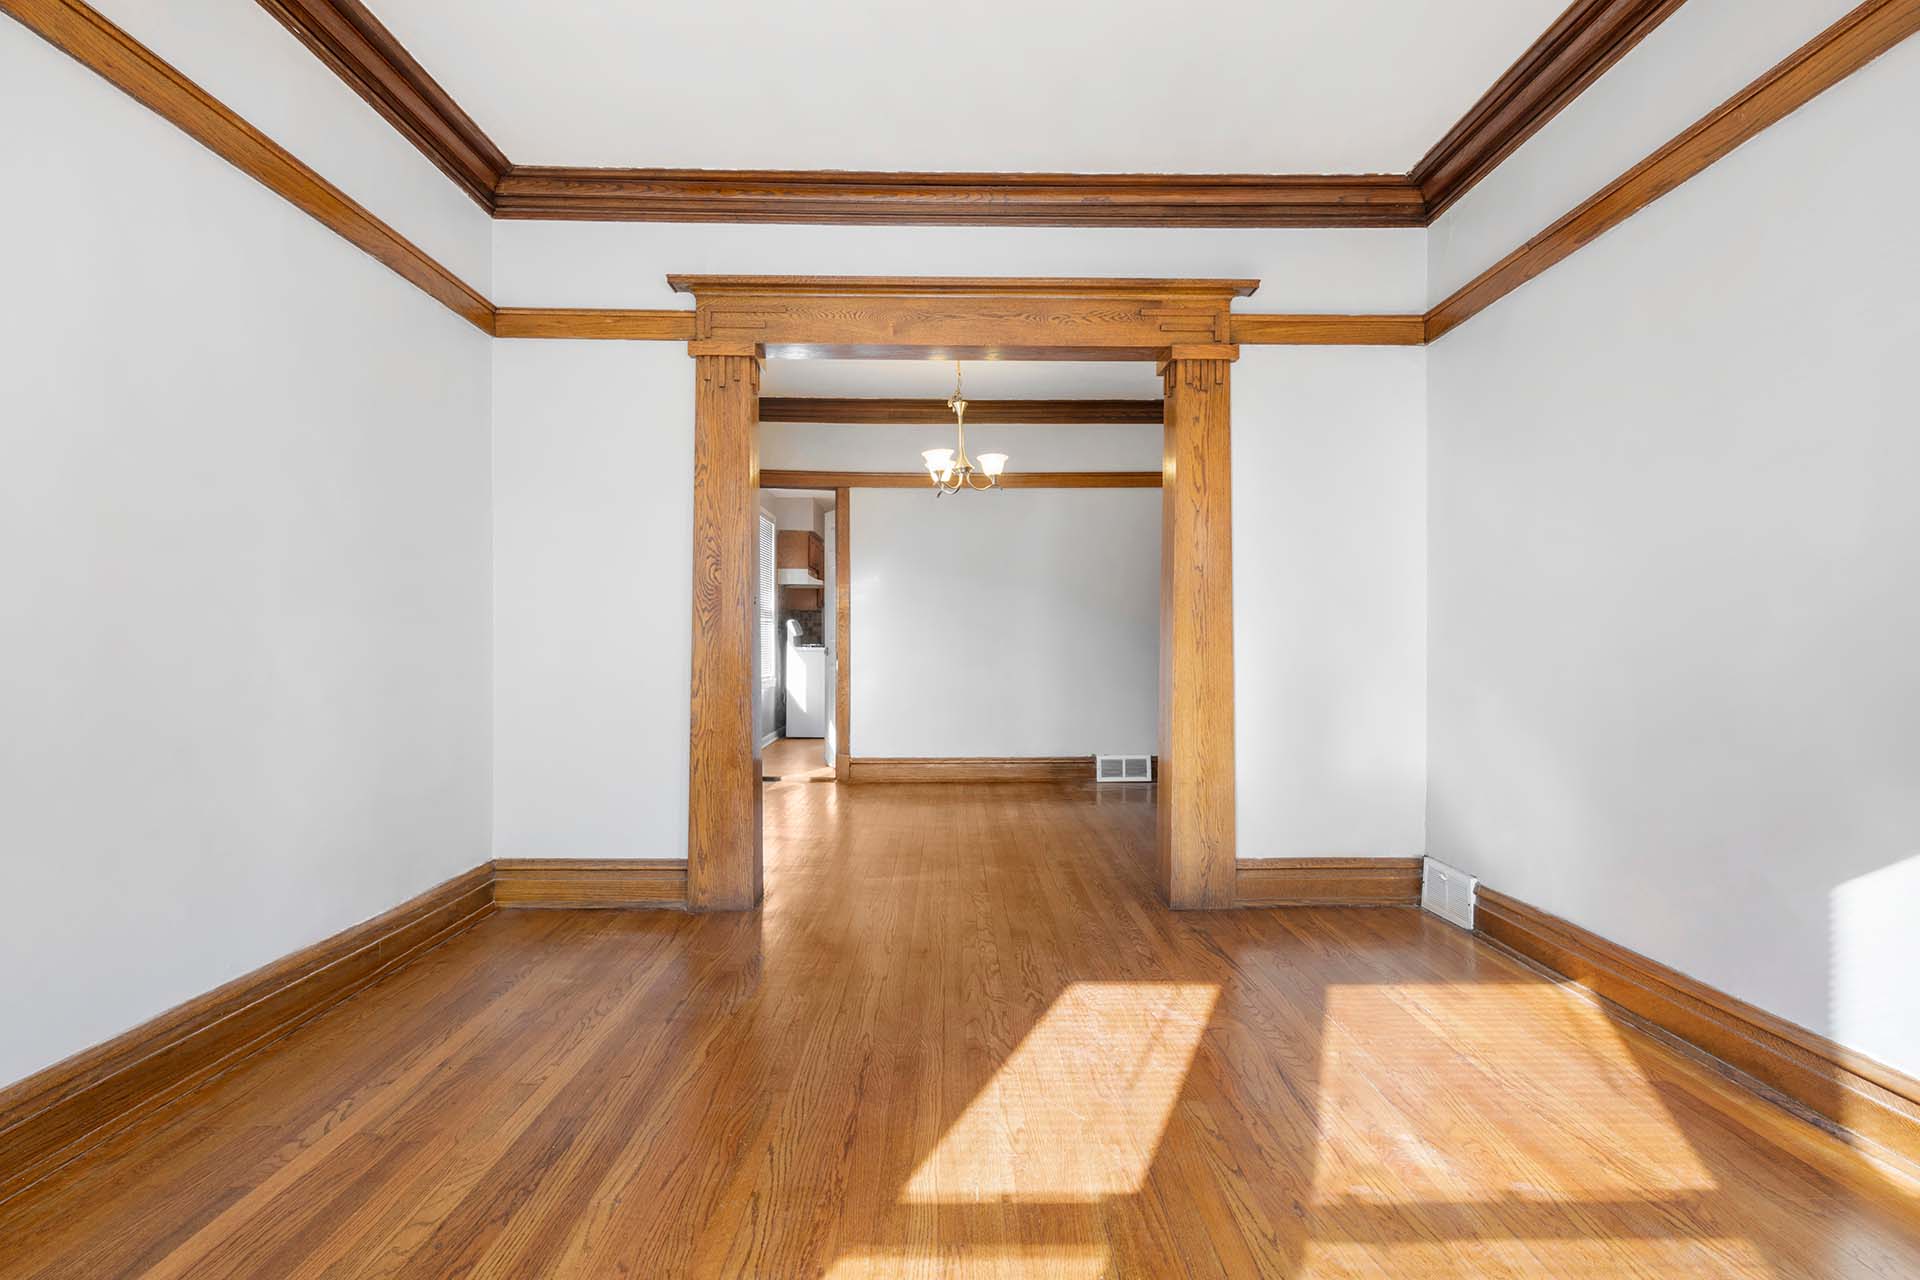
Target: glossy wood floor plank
x: 962, y: 1038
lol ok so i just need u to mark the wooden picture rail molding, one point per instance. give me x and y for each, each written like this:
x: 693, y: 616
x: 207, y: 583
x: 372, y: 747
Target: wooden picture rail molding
x: 587, y: 322
x: 827, y: 409
x: 1255, y: 330
x: 1582, y: 43
x: 362, y: 52
x: 773, y: 479
x: 1840, y: 1087
x: 1830, y: 57
x: 1327, y: 882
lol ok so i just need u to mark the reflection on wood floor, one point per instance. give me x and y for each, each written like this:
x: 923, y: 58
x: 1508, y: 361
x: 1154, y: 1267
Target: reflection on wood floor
x: 796, y: 760
x: 962, y: 1039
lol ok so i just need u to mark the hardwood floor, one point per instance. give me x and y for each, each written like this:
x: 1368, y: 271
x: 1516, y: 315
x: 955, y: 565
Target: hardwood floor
x: 795, y: 760
x: 962, y: 1039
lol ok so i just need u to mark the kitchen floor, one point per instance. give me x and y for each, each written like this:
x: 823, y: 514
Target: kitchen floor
x: 796, y: 760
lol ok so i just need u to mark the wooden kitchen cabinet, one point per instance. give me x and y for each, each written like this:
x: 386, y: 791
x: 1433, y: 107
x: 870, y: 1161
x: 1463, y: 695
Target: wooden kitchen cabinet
x: 800, y: 549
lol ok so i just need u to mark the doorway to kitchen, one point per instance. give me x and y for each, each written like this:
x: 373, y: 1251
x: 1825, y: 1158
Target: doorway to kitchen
x: 797, y: 650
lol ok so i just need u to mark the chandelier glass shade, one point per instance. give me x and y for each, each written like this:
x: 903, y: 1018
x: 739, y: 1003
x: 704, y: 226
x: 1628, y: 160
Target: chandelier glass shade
x: 951, y: 469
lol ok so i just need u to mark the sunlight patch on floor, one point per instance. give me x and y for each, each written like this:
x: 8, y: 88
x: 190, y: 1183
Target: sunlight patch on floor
x: 1418, y: 1084
x: 1077, y: 1111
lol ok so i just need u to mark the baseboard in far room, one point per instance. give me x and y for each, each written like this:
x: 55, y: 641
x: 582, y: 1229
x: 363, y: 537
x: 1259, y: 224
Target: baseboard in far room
x: 970, y: 769
x: 590, y: 882
x: 55, y: 1115
x: 1864, y: 1099
x: 1327, y: 882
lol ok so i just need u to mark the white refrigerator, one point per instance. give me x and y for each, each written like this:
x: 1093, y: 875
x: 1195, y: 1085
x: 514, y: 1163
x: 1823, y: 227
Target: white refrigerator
x: 806, y: 691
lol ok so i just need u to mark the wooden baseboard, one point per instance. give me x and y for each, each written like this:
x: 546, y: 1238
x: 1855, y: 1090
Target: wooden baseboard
x: 1856, y: 1094
x: 54, y: 1115
x: 1327, y: 882
x: 589, y: 882
x: 970, y: 769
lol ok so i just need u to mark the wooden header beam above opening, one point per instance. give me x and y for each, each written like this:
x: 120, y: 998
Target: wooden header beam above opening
x: 961, y: 318
x: 828, y: 409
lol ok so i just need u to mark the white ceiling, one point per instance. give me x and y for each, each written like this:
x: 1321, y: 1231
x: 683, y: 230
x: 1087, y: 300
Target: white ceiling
x: 1234, y: 86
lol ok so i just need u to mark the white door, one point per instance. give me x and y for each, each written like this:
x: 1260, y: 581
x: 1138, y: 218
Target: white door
x: 829, y: 625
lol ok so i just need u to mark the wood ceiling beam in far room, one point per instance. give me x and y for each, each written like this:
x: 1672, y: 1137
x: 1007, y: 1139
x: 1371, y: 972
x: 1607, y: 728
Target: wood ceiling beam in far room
x: 851, y: 411
x: 920, y: 480
x: 1588, y: 38
x: 959, y: 199
x: 362, y: 52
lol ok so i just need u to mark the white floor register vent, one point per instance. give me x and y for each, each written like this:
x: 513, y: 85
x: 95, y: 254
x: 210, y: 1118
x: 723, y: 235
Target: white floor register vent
x: 1447, y: 892
x: 1123, y: 769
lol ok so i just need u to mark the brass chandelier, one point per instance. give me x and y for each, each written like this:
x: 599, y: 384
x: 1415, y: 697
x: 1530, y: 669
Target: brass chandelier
x: 952, y: 470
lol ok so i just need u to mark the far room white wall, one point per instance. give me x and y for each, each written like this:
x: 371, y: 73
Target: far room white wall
x: 1676, y: 576
x: 1329, y: 601
x: 593, y: 590
x: 243, y: 531
x: 1017, y: 623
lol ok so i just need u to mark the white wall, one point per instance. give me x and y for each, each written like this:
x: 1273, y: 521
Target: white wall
x: 243, y: 532
x: 593, y: 598
x: 241, y: 55
x: 1676, y: 577
x: 1329, y: 596
x: 1017, y: 623
x: 625, y: 264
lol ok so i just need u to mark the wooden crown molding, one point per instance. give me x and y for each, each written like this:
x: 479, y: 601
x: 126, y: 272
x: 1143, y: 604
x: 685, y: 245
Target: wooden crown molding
x: 1824, y: 61
x: 848, y: 411
x: 349, y: 39
x: 1587, y: 39
x: 1582, y: 43
x: 959, y: 199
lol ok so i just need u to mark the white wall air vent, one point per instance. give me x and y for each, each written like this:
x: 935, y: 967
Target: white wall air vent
x: 1447, y: 892
x: 1123, y: 768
